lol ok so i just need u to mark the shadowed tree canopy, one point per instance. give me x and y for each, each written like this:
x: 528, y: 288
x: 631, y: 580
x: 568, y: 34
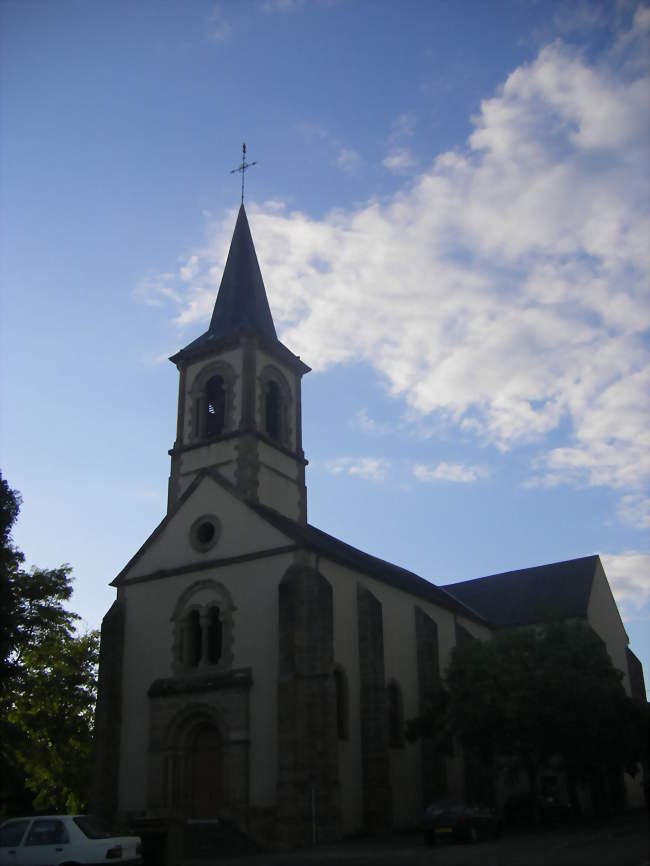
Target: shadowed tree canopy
x: 531, y: 695
x: 47, y: 683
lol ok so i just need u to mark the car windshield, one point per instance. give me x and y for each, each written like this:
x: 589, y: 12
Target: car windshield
x: 94, y: 827
x: 12, y: 832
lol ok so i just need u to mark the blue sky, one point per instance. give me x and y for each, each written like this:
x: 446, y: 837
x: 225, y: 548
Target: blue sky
x: 450, y: 210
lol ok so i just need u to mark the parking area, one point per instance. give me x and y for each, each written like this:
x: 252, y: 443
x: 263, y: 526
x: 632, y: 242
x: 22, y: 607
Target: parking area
x: 619, y: 843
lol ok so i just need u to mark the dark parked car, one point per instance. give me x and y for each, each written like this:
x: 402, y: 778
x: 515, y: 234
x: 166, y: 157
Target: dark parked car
x: 520, y: 810
x: 462, y: 822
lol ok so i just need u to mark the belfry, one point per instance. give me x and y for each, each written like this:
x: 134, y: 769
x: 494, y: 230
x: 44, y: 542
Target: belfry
x: 239, y: 395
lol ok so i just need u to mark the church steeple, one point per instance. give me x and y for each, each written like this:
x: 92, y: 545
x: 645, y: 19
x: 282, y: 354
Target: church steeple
x: 239, y: 406
x: 242, y: 304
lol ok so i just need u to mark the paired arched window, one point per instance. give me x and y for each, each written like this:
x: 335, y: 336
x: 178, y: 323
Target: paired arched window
x: 203, y: 628
x: 201, y: 642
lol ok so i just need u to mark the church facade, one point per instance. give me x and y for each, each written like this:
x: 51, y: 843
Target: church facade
x: 252, y: 666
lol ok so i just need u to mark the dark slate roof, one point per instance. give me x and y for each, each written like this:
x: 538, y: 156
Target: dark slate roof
x: 637, y: 681
x: 320, y: 542
x: 560, y: 590
x: 241, y: 305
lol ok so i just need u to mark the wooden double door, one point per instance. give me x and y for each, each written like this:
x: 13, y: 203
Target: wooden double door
x: 206, y: 773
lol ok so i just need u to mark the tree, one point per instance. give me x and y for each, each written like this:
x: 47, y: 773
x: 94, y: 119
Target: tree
x: 530, y: 696
x: 48, y: 683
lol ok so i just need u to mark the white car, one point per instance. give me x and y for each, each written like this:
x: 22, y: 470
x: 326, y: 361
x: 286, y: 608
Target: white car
x: 65, y: 840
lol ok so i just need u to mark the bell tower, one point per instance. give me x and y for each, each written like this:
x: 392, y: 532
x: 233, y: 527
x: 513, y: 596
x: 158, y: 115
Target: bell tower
x: 239, y: 398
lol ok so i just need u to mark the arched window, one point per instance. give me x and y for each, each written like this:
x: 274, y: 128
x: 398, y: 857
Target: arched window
x: 203, y: 629
x: 194, y: 638
x: 342, y: 707
x: 214, y: 636
x: 272, y: 405
x: 215, y: 406
x: 395, y: 716
x: 212, y: 394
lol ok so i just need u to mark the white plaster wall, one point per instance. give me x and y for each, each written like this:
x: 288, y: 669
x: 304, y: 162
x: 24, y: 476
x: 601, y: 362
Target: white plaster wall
x: 220, y: 455
x: 242, y: 531
x: 208, y: 455
x: 279, y: 492
x: 604, y: 618
x: 481, y: 632
x: 234, y: 358
x: 277, y: 460
x: 148, y: 641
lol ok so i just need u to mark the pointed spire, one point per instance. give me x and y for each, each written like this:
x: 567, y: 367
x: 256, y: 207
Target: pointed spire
x: 241, y: 303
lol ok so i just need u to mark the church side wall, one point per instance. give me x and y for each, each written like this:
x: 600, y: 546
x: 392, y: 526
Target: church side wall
x: 604, y: 618
x: 253, y: 587
x: 400, y: 662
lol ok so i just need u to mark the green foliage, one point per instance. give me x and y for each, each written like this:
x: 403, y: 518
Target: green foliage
x: 531, y: 695
x: 48, y: 686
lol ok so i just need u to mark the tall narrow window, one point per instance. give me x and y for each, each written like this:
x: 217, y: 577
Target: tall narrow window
x: 341, y: 687
x: 194, y: 638
x: 395, y: 717
x: 215, y: 406
x: 272, y: 410
x: 214, y: 636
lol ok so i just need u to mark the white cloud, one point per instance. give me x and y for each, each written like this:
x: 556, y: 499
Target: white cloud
x: 399, y: 159
x: 343, y: 156
x: 634, y: 509
x: 455, y: 472
x: 629, y: 576
x: 509, y: 282
x: 348, y: 159
x: 579, y: 16
x: 219, y: 29
x: 367, y: 424
x: 189, y: 269
x: 370, y: 468
x: 282, y: 5
x: 403, y: 127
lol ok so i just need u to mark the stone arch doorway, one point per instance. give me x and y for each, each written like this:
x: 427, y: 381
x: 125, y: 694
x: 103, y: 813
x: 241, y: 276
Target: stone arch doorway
x: 206, y: 783
x: 199, y: 746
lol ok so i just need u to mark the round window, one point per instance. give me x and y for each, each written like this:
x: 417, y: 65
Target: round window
x: 205, y: 532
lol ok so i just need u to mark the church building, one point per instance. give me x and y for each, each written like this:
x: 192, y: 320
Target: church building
x: 257, y: 669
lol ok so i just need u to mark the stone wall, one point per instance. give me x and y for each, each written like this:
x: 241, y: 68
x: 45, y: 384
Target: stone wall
x: 377, y: 796
x: 308, y: 799
x: 434, y: 777
x: 103, y: 799
x: 179, y: 707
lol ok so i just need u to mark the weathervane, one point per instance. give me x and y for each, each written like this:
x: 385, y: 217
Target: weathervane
x: 242, y: 168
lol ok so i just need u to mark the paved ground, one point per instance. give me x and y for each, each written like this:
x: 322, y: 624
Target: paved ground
x: 620, y: 843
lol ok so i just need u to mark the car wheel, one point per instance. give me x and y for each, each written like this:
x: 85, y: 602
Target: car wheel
x: 429, y: 837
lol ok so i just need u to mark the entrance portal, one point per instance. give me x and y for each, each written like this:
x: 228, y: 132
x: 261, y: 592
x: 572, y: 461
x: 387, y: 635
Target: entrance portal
x: 206, y: 776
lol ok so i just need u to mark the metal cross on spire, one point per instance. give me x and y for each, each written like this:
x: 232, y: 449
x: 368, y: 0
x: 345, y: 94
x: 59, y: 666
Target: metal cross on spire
x: 242, y: 168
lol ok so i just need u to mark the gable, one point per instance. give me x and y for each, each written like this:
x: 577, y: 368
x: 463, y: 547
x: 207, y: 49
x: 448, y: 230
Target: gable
x: 173, y: 545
